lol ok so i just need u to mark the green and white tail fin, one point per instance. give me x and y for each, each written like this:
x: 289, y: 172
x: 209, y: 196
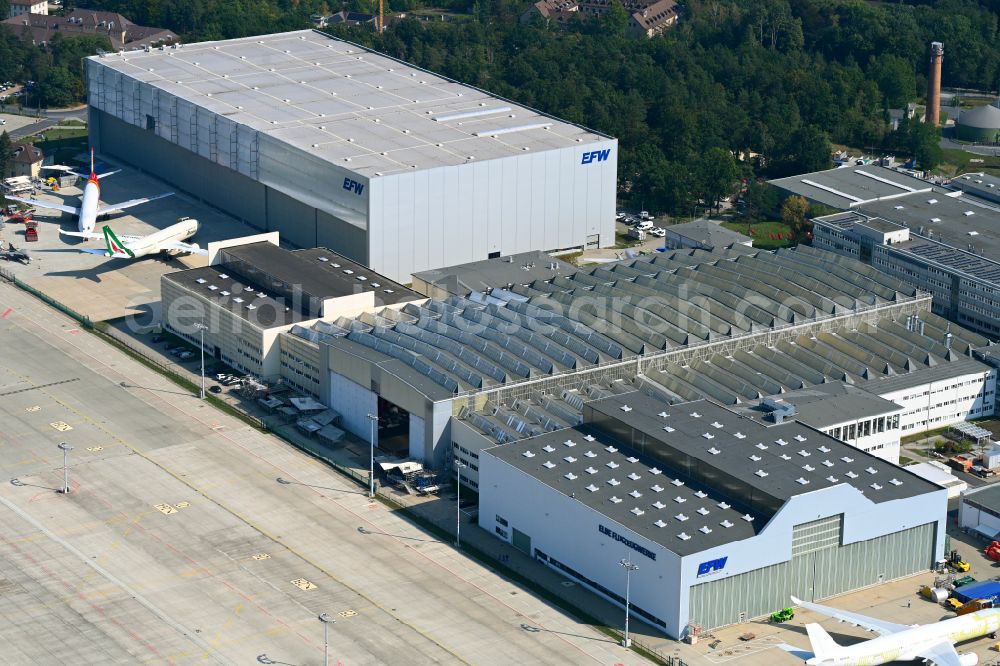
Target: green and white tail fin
x: 115, y: 247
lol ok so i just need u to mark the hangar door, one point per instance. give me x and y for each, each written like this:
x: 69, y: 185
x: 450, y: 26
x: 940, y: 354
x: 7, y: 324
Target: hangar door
x: 820, y: 567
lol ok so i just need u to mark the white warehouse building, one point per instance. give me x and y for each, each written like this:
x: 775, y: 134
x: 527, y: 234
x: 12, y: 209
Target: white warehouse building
x: 337, y: 146
x: 726, y: 517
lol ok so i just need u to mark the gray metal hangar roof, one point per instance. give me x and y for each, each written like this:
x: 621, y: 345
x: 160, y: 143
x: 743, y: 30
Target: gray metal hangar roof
x: 848, y: 186
x: 669, y: 301
x: 364, y: 111
x: 657, y: 492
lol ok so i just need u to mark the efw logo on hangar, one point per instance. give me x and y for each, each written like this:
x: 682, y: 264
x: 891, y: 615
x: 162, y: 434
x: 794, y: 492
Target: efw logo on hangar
x: 595, y: 156
x: 712, y: 567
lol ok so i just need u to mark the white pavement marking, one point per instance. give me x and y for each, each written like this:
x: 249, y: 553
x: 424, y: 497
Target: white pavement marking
x: 132, y: 592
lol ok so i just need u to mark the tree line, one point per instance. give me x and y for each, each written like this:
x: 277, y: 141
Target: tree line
x: 738, y: 89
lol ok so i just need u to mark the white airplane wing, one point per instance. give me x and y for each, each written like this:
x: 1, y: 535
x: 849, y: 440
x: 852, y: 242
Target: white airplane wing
x: 942, y: 654
x: 105, y: 253
x: 880, y: 627
x: 80, y: 234
x: 128, y: 204
x: 804, y: 655
x: 42, y: 204
x: 64, y: 169
x: 185, y: 247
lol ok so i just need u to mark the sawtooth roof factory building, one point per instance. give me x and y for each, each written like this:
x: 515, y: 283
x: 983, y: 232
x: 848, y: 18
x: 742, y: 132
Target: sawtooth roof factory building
x: 337, y: 146
x: 724, y: 516
x: 736, y: 326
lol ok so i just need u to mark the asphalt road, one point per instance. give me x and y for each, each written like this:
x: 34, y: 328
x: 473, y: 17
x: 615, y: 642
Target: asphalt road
x: 33, y: 128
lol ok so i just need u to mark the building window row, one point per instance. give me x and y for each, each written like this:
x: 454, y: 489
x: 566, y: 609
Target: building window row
x: 865, y: 428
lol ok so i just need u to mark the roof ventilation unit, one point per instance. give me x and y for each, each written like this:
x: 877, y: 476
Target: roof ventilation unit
x: 778, y: 409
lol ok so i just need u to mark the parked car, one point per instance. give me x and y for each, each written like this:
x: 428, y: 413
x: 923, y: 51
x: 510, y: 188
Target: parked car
x: 215, y: 389
x: 659, y: 232
x: 645, y: 215
x: 645, y: 225
x: 185, y: 355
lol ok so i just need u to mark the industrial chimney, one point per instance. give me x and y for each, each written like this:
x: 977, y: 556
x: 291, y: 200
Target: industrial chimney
x: 933, y: 114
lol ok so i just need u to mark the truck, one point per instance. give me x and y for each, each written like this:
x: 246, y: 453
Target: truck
x: 30, y: 231
x: 784, y: 615
x: 992, y: 551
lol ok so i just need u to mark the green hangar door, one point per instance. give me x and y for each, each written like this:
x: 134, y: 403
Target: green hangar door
x: 820, y: 567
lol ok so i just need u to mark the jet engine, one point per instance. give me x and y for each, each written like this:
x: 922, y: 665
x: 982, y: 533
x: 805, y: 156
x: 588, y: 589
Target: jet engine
x: 968, y: 659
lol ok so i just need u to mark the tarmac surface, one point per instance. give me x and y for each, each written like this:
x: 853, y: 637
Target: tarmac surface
x: 177, y: 544
x: 103, y: 288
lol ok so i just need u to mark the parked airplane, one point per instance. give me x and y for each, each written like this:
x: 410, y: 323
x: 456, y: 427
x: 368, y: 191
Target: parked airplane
x: 13, y: 254
x: 90, y: 208
x: 933, y: 643
x: 132, y: 247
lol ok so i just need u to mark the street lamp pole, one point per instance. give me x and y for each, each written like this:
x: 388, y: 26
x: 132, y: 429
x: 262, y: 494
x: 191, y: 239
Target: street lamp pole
x: 325, y: 619
x: 629, y: 567
x: 201, y: 329
x: 66, y: 448
x: 371, y: 472
x: 459, y: 465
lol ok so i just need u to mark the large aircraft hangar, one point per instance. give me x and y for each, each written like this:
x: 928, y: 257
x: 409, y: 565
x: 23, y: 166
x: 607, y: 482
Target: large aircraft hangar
x: 334, y: 145
x: 724, y: 518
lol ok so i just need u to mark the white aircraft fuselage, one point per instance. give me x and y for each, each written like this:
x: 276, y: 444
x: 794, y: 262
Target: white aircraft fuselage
x: 908, y: 645
x: 155, y: 242
x: 89, y: 202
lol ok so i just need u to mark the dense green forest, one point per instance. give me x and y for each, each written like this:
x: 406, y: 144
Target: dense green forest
x: 780, y: 79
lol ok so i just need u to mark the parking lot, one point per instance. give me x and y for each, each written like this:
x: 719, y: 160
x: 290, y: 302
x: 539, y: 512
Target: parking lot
x: 15, y: 122
x: 102, y: 288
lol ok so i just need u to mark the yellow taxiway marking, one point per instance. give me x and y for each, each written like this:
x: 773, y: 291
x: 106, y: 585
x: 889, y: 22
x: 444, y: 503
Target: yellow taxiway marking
x: 165, y: 508
x: 182, y: 505
x: 61, y: 426
x: 347, y: 613
x: 95, y: 449
x: 33, y: 408
x: 303, y: 584
x: 261, y: 556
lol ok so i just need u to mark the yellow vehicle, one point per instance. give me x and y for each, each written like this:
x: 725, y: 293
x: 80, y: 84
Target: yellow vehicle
x: 50, y: 180
x: 959, y: 565
x: 975, y: 605
x: 953, y: 603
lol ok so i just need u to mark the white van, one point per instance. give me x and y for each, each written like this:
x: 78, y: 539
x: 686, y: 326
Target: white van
x: 645, y: 225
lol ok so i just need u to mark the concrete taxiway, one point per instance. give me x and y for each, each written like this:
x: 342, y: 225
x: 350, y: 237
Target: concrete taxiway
x: 177, y: 544
x: 103, y: 288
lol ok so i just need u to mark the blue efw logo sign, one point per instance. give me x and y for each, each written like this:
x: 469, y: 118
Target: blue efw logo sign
x: 712, y: 567
x: 353, y: 186
x: 595, y: 156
